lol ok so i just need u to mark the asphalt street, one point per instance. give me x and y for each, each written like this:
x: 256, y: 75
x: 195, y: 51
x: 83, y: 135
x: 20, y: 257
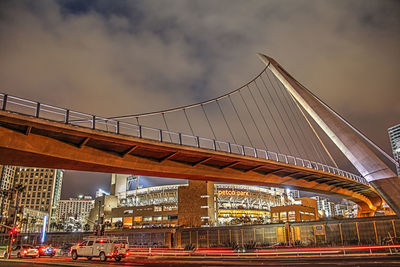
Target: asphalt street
x: 206, y: 262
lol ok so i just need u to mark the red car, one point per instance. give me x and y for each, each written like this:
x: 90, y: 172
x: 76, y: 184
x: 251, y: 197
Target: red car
x: 46, y: 251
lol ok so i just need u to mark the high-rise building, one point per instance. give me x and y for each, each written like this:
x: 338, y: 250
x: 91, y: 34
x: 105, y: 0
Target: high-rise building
x: 394, y: 135
x: 293, y: 193
x: 345, y: 210
x: 7, y: 174
x: 331, y: 209
x: 76, y: 208
x: 326, y: 207
x: 43, y: 189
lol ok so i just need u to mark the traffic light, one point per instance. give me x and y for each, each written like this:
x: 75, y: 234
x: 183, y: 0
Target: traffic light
x: 95, y: 231
x: 14, y: 231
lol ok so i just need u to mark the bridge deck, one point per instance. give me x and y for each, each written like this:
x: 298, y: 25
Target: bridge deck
x: 36, y: 142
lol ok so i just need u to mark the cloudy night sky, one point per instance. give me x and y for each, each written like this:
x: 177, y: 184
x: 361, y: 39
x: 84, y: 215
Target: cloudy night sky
x: 112, y: 58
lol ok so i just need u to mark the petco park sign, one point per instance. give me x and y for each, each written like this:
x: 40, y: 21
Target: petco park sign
x: 238, y: 193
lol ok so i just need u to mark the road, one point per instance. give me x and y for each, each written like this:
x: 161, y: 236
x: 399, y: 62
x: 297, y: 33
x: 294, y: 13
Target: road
x: 209, y: 262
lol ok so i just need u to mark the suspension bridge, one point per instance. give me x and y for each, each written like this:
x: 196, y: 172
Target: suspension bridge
x: 271, y: 131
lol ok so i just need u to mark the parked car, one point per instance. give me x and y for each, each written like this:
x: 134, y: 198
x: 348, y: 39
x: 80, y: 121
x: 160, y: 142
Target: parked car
x: 46, y: 251
x: 102, y: 247
x: 23, y: 251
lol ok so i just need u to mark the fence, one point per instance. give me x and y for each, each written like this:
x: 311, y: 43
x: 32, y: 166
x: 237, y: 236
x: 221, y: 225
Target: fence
x: 362, y: 231
x: 138, y: 237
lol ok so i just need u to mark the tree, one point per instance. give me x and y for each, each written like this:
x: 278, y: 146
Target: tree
x: 53, y: 226
x: 69, y: 228
x: 119, y: 224
x: 246, y: 220
x: 107, y: 224
x: 60, y: 226
x: 86, y: 227
x: 78, y: 226
x: 260, y: 220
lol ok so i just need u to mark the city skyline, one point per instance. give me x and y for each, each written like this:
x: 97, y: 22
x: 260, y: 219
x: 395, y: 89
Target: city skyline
x: 89, y: 57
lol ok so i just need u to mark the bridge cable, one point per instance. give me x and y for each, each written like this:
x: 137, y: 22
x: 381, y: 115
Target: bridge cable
x: 166, y: 125
x: 272, y: 116
x: 305, y: 127
x: 290, y: 119
x: 351, y: 126
x: 187, y: 119
x: 263, y: 117
x: 287, y: 115
x: 188, y: 106
x: 237, y: 114
x: 273, y: 102
x: 346, y: 122
x: 252, y: 118
x: 315, y: 132
x: 229, y: 128
x: 209, y: 123
x: 300, y: 120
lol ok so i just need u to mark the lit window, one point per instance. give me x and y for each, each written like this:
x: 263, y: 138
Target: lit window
x: 157, y: 208
x: 147, y: 218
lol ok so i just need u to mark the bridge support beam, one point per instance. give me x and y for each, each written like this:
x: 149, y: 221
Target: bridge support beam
x: 380, y: 176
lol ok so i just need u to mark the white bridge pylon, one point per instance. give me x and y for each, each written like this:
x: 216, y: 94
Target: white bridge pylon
x: 377, y: 173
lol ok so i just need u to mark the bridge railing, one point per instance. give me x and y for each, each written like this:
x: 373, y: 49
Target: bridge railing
x: 52, y: 113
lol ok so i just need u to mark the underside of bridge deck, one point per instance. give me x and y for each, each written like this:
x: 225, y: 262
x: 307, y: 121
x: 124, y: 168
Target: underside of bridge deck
x: 29, y: 141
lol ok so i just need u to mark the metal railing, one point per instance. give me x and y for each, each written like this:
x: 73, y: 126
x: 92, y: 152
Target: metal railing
x: 67, y: 116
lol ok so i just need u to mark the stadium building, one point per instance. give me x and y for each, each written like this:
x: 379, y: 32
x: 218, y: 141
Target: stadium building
x: 143, y: 202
